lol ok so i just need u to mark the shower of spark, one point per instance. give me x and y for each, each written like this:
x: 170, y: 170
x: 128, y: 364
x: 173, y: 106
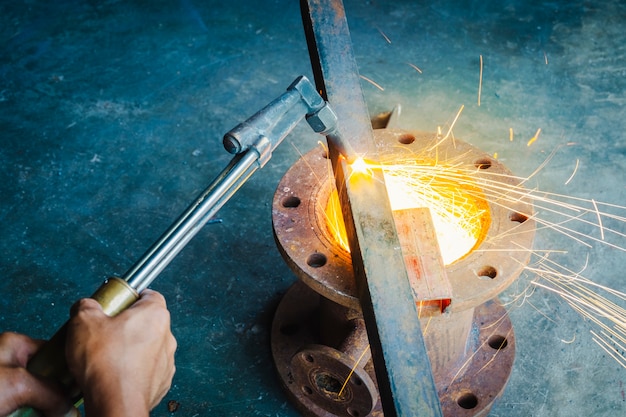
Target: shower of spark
x: 457, y: 198
x: 460, y: 213
x: 588, y: 223
x: 596, y: 303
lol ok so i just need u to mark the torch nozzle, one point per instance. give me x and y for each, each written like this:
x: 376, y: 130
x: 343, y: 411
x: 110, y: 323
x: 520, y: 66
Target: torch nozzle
x: 342, y: 145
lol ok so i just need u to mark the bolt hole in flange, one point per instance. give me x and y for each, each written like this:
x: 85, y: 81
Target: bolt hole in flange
x: 518, y: 217
x: 316, y: 260
x: 467, y: 401
x: 406, y: 139
x: 353, y: 413
x: 291, y: 202
x: 497, y: 342
x: 483, y: 163
x: 487, y: 272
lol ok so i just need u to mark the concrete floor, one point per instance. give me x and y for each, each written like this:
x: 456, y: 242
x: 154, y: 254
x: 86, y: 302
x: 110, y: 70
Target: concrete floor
x: 111, y: 118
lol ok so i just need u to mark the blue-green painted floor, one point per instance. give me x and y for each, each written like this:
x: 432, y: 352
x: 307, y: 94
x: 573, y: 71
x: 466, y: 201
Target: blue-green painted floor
x: 111, y: 118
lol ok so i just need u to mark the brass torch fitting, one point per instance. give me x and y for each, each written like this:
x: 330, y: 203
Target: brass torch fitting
x: 115, y: 295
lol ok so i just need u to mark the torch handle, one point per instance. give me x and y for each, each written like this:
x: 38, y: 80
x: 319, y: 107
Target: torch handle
x: 253, y: 142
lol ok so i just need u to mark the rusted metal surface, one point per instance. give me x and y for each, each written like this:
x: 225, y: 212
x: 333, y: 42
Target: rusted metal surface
x: 335, y: 70
x: 302, y: 234
x: 469, y: 371
x: 428, y: 278
x: 468, y: 381
x: 317, y: 346
x: 470, y: 388
x: 403, y: 371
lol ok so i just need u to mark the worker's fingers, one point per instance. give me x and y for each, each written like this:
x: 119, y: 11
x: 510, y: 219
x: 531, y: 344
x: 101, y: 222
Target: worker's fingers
x: 86, y: 305
x: 16, y: 349
x: 151, y: 306
x: 149, y: 296
x: 164, y: 389
x: 19, y: 388
x: 92, y: 307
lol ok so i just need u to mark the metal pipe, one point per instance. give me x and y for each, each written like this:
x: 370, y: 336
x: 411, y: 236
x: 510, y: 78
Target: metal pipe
x: 164, y: 250
x: 253, y: 141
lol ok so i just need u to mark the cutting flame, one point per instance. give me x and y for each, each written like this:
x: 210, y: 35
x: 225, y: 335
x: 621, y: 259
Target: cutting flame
x: 459, y: 210
x: 359, y: 166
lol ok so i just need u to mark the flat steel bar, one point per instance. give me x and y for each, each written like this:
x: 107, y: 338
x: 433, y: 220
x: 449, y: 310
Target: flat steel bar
x: 402, y: 366
x: 428, y: 278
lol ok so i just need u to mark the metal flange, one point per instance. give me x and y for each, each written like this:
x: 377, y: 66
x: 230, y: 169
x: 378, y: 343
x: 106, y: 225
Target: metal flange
x: 305, y: 242
x: 313, y: 372
x: 472, y: 346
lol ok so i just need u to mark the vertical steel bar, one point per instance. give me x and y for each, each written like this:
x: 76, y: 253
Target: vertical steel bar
x: 402, y: 366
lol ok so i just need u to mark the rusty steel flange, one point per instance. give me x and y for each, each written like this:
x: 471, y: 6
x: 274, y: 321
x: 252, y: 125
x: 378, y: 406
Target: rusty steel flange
x: 329, y: 380
x: 307, y: 247
x: 482, y: 377
x: 301, y: 322
x: 472, y: 346
x: 313, y: 372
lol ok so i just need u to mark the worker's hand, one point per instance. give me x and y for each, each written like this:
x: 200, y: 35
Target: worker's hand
x: 123, y: 364
x: 20, y: 388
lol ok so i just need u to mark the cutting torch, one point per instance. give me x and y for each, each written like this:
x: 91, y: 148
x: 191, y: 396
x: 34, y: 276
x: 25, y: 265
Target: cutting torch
x: 252, y: 143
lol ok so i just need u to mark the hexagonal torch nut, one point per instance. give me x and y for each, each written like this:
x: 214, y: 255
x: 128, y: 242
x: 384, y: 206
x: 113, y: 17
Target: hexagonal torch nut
x: 307, y: 92
x: 323, y: 120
